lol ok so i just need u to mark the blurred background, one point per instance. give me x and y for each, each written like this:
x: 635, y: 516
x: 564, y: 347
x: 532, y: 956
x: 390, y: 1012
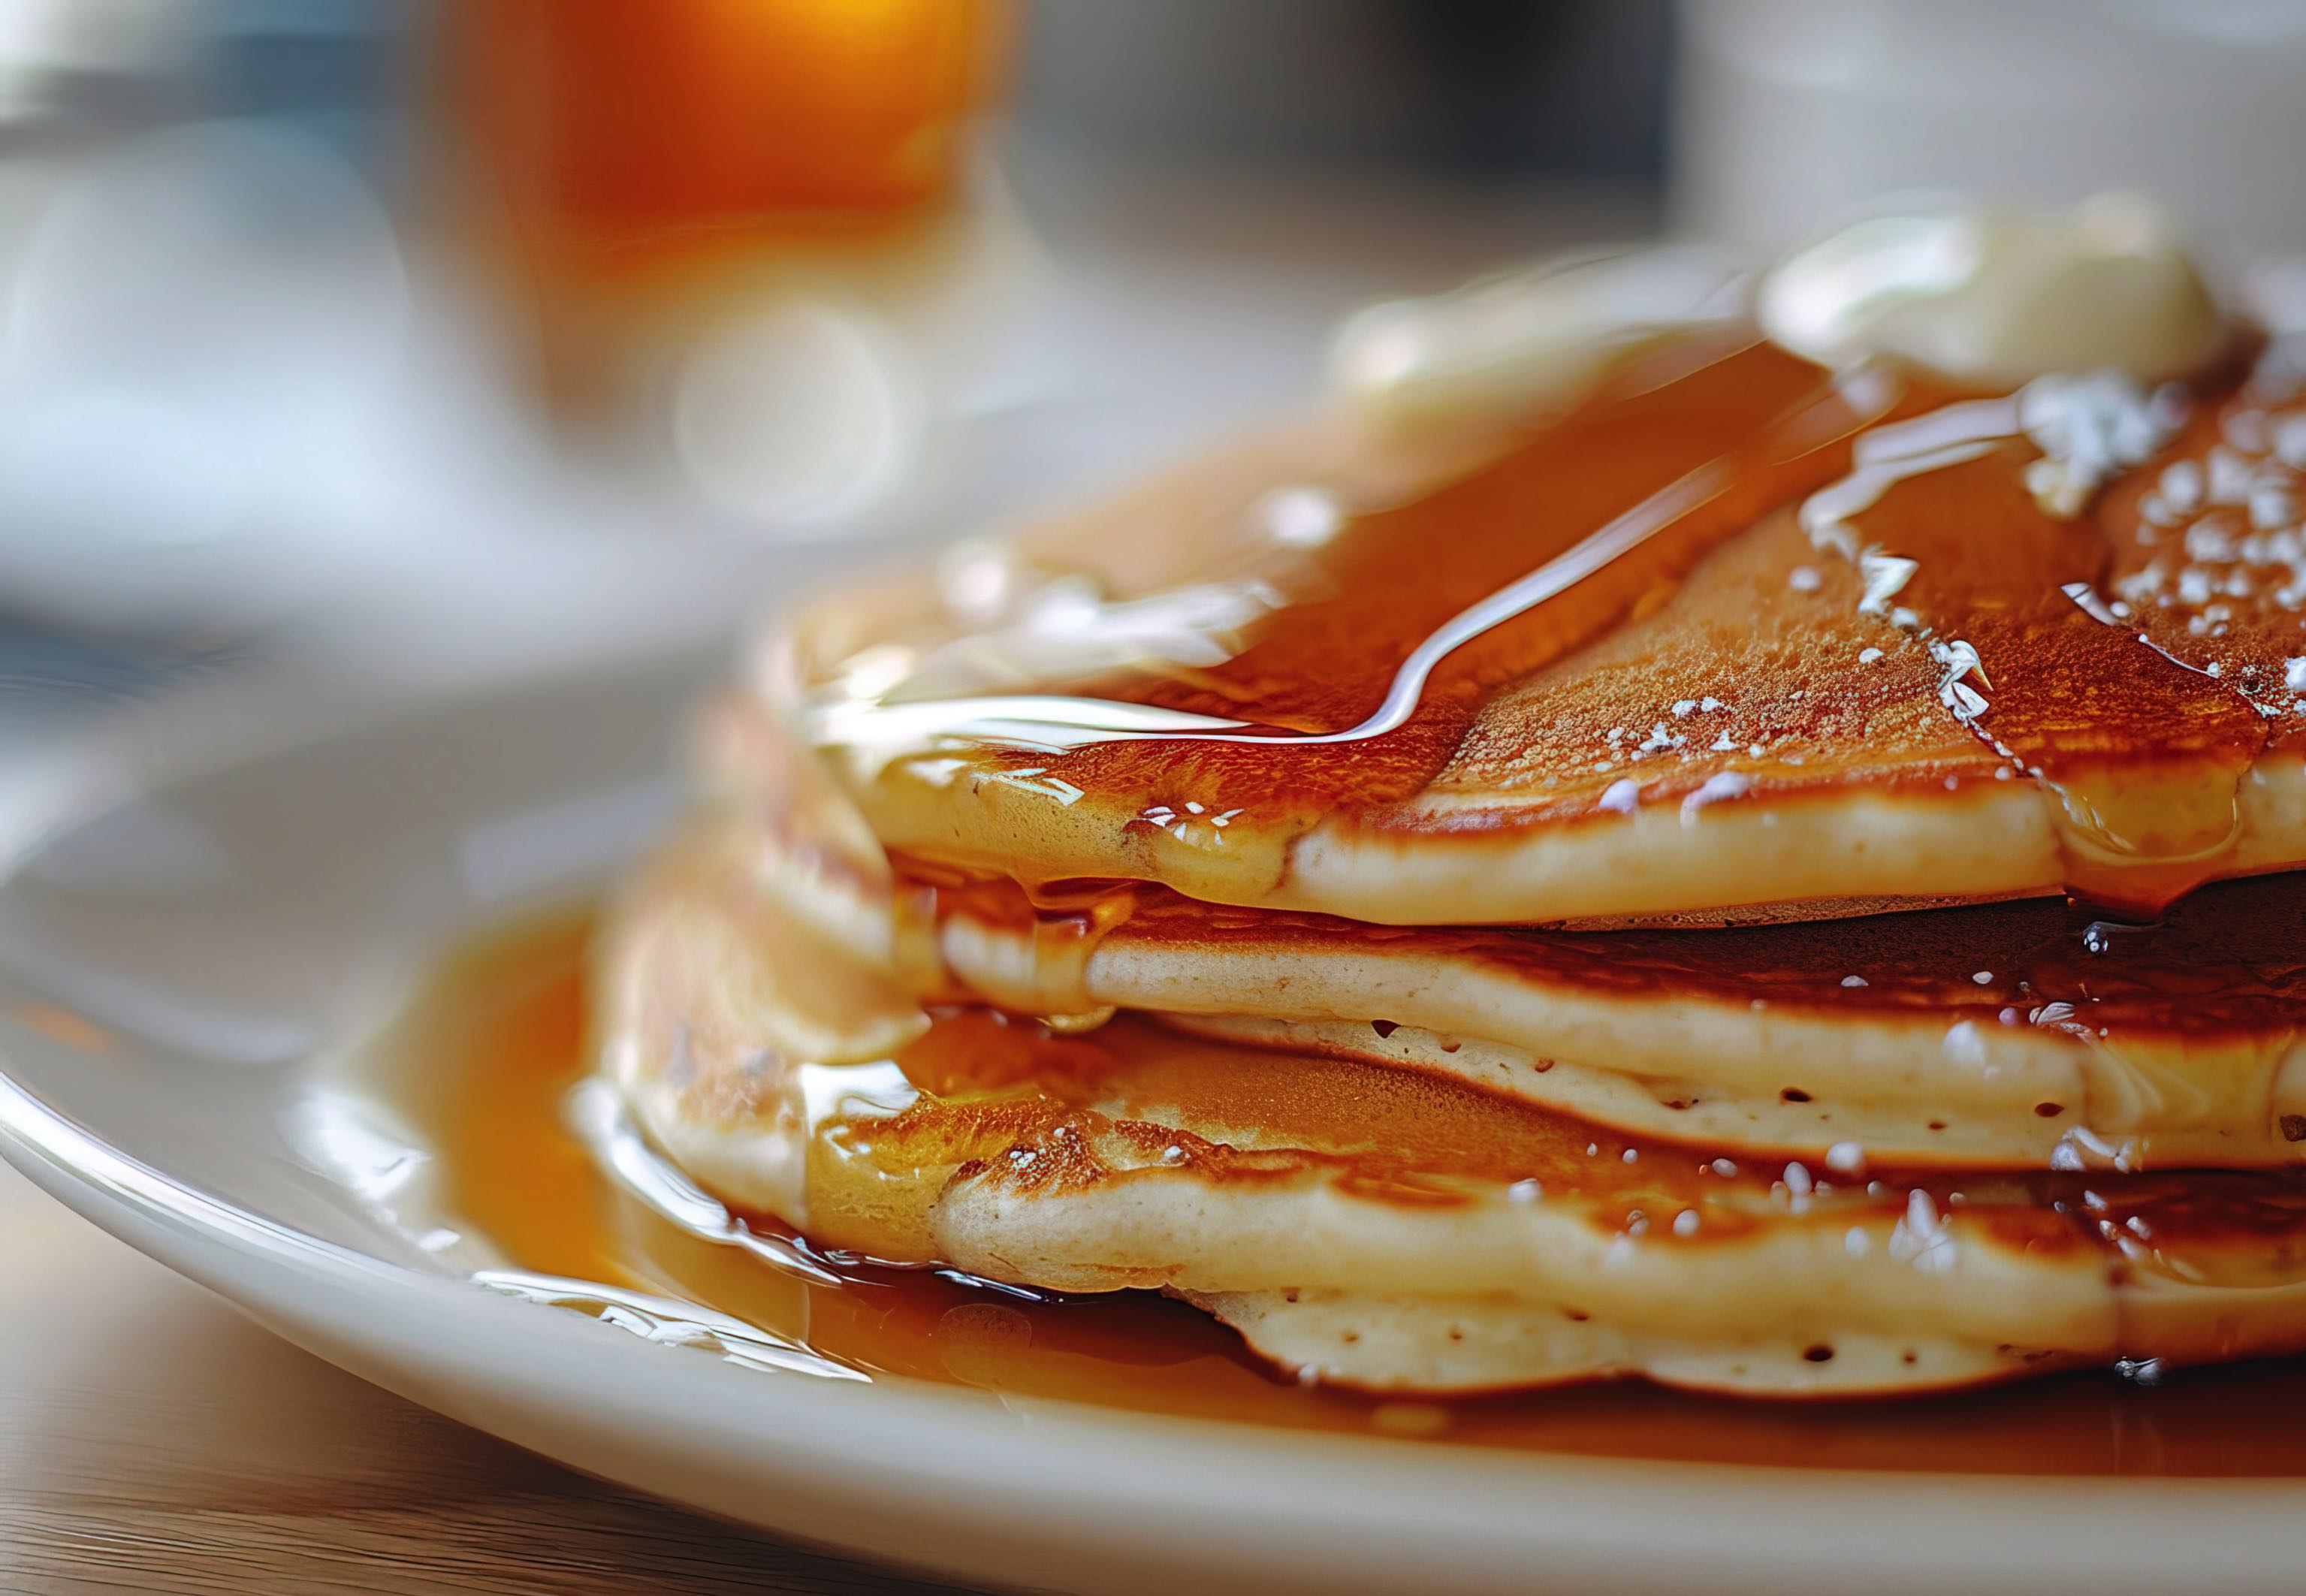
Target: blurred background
x: 376, y: 347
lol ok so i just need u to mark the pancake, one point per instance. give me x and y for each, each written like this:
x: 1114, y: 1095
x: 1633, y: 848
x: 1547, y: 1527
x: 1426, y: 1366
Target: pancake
x: 1992, y: 1035
x: 1632, y: 850
x: 1736, y: 635
x: 1460, y: 1237
x: 2028, y: 1033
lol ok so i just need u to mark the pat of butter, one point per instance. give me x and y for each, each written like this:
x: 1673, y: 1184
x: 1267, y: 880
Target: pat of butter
x: 1526, y: 340
x: 1998, y: 299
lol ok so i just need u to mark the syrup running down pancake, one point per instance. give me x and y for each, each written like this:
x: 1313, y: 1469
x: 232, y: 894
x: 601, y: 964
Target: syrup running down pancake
x: 1568, y: 875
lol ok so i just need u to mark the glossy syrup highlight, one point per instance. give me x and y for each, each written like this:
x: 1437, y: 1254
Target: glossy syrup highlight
x: 483, y: 1067
x: 1355, y: 689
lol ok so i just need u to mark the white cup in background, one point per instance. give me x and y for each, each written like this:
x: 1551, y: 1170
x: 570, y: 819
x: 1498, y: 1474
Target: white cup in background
x: 1791, y: 113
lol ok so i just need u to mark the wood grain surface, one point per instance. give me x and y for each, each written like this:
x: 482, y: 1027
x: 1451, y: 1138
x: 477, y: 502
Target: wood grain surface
x: 153, y: 1440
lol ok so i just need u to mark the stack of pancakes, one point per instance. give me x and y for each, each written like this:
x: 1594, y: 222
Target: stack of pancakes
x: 1763, y: 873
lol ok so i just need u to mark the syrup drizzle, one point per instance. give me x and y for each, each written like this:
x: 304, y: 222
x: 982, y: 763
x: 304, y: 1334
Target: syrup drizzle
x: 1052, y: 724
x: 1386, y: 669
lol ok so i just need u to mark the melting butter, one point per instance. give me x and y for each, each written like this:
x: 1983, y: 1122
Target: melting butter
x: 1997, y: 299
x: 1524, y: 340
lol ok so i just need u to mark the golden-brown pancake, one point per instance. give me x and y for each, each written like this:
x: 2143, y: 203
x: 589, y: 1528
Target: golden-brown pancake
x: 2027, y: 1034
x: 1735, y: 633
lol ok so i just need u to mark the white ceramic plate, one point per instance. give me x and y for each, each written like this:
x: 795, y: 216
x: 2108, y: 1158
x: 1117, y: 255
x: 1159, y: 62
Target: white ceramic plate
x: 234, y: 931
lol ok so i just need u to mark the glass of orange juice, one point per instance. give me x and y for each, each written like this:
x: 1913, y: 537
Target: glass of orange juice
x: 647, y: 178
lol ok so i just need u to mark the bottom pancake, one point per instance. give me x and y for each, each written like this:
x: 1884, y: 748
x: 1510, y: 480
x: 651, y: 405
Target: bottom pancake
x: 1397, y: 1203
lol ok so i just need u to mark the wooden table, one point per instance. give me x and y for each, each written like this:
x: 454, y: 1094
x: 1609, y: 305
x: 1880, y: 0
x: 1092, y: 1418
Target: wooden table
x: 153, y: 1440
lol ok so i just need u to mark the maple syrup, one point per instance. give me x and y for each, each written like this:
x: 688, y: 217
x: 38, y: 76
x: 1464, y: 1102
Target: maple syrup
x: 483, y: 1067
x: 1354, y: 689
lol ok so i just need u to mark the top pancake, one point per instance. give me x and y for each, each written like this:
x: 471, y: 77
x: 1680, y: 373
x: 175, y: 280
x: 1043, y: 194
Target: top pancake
x: 1606, y: 667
